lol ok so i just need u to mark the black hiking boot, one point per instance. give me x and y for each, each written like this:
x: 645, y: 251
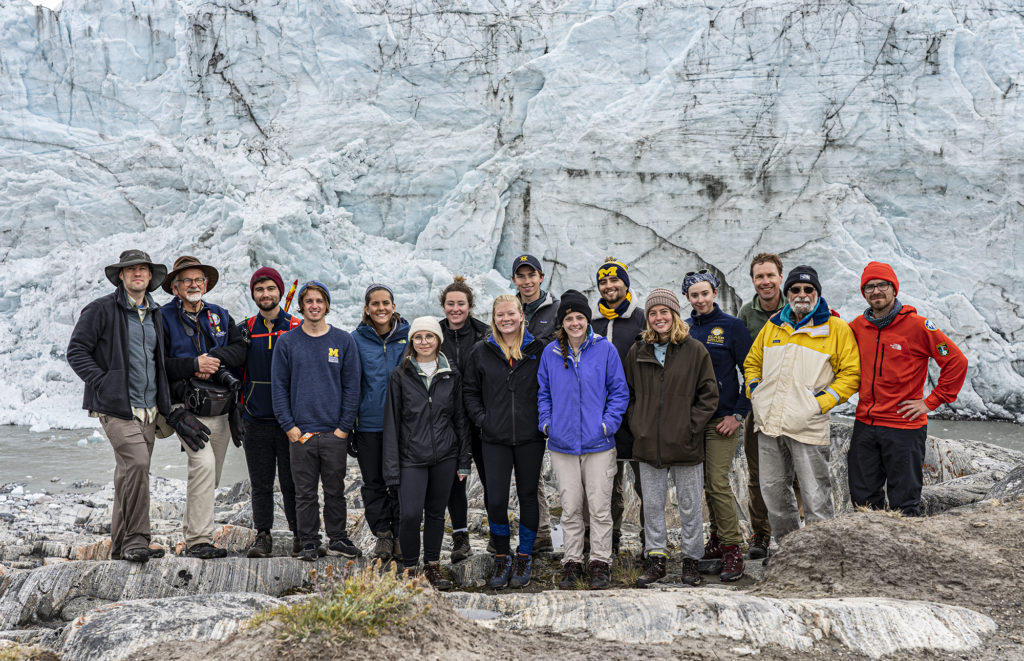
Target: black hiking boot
x: 600, y: 575
x: 690, y: 575
x: 571, y: 573
x: 460, y: 546
x: 262, y: 546
x: 654, y: 572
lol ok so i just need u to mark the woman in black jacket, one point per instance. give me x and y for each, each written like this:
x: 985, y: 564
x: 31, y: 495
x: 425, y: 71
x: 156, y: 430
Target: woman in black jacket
x: 460, y: 331
x: 426, y: 442
x: 501, y: 399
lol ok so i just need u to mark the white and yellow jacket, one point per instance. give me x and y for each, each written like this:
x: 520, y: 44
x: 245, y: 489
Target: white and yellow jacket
x: 796, y: 374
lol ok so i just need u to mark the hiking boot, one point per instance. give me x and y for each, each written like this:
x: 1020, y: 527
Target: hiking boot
x: 136, y: 555
x: 713, y: 549
x: 522, y: 568
x: 501, y: 573
x: 690, y: 575
x: 732, y: 567
x: 543, y: 542
x: 759, y: 544
x: 308, y: 553
x: 155, y: 552
x: 436, y: 576
x: 205, y: 551
x: 262, y: 546
x: 600, y: 575
x: 344, y: 547
x: 654, y: 572
x: 384, y: 549
x: 460, y: 546
x: 571, y: 573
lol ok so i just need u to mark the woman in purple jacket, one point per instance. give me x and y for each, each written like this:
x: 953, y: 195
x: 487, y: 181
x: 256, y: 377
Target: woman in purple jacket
x: 582, y: 397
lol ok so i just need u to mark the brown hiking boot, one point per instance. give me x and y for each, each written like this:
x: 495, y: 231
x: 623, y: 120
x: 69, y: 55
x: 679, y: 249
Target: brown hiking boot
x: 690, y: 574
x: 384, y: 549
x: 713, y: 549
x: 543, y: 542
x: 600, y: 575
x: 571, y: 572
x: 262, y: 546
x: 759, y: 545
x: 732, y: 567
x: 436, y: 576
x: 654, y: 572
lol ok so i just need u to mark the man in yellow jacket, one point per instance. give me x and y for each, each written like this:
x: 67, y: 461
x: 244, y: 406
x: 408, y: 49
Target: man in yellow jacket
x: 802, y: 364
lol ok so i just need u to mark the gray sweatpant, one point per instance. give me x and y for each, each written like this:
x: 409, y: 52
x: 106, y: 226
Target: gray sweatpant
x: 780, y: 457
x: 689, y: 482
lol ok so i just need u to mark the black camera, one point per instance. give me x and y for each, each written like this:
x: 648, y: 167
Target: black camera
x: 223, y: 377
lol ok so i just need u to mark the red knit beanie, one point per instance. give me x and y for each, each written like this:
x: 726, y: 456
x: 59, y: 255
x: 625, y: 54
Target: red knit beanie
x: 879, y: 271
x: 265, y: 273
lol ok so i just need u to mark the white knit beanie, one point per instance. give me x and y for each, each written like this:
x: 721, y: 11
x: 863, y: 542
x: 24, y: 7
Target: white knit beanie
x: 426, y: 324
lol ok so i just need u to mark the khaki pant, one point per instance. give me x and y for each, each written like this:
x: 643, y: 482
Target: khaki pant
x: 590, y: 476
x: 132, y: 441
x: 204, y: 467
x: 718, y: 455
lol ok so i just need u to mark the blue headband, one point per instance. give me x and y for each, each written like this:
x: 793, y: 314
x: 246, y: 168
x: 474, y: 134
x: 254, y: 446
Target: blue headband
x: 702, y: 275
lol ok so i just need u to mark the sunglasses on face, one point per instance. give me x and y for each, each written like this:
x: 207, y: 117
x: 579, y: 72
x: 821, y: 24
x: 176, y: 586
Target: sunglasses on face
x: 801, y: 289
x: 700, y: 272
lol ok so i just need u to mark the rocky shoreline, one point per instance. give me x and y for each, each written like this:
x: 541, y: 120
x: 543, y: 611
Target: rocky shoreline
x: 60, y: 591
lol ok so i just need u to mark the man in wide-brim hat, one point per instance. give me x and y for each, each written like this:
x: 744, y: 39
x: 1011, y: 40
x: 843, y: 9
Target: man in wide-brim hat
x: 202, y: 338
x: 117, y: 348
x: 185, y: 263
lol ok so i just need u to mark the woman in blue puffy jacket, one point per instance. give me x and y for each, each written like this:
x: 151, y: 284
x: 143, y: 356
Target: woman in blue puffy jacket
x: 582, y: 397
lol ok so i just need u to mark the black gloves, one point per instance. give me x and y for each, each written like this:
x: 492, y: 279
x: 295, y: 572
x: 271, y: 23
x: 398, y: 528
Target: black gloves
x: 190, y: 430
x: 237, y: 425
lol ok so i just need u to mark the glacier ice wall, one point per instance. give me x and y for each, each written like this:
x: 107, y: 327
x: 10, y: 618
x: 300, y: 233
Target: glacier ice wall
x: 363, y: 140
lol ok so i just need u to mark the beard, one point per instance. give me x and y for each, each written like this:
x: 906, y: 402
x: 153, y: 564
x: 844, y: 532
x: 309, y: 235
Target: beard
x: 194, y: 298
x: 803, y: 306
x: 268, y: 305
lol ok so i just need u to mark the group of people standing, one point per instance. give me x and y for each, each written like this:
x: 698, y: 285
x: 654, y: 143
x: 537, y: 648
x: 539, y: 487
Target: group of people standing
x: 420, y: 403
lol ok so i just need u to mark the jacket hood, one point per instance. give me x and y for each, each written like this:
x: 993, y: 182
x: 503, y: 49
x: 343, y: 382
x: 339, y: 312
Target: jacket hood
x: 399, y: 331
x: 820, y: 315
x: 527, y: 338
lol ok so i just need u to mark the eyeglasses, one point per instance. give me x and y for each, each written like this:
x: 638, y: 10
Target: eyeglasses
x: 700, y: 272
x: 801, y: 289
x: 882, y: 286
x: 189, y: 281
x: 424, y: 339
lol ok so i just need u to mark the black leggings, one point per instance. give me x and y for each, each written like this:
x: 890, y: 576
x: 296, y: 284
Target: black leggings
x: 499, y: 462
x: 458, y: 504
x: 423, y: 490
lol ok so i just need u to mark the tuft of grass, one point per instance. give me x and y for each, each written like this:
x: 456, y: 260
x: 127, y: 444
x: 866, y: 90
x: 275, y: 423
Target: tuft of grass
x: 348, y: 604
x: 625, y: 571
x: 10, y: 651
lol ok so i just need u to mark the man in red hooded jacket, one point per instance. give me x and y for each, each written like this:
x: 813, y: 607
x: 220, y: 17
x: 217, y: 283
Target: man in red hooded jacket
x: 887, y: 449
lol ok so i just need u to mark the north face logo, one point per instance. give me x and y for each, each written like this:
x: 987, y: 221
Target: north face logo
x: 805, y: 276
x: 897, y: 347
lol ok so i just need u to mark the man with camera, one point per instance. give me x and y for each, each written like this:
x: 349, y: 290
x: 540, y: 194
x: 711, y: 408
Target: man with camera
x: 202, y: 342
x: 117, y: 348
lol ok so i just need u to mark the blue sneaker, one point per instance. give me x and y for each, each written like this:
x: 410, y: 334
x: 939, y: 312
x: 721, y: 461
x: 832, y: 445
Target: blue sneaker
x: 521, y: 570
x: 502, y: 570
